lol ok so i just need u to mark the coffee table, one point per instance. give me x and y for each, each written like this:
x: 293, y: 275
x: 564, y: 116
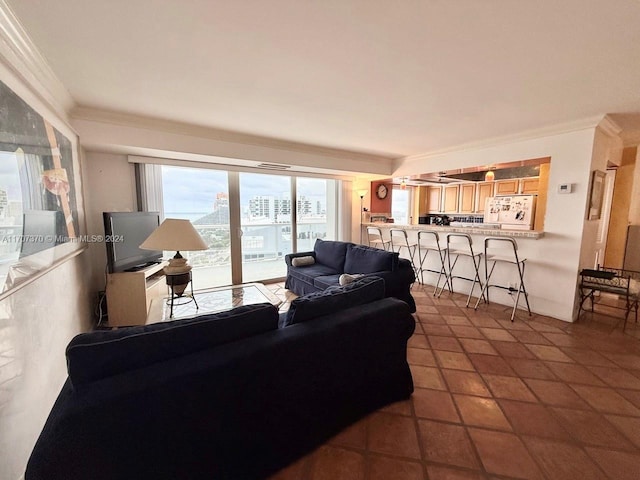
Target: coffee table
x: 211, y: 300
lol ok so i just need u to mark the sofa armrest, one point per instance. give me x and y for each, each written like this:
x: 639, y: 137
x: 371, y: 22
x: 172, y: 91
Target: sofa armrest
x: 398, y: 284
x: 289, y: 257
x: 403, y: 263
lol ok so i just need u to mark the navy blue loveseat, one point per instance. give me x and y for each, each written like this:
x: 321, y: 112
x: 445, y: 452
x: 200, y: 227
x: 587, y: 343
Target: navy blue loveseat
x: 225, y: 396
x: 332, y: 259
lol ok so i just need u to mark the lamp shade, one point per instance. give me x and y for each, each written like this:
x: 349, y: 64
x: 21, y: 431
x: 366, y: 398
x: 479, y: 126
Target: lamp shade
x: 362, y: 193
x: 175, y: 234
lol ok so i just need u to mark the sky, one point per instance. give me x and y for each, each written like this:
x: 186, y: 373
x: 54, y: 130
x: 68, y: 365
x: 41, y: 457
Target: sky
x: 193, y: 190
x: 9, y: 177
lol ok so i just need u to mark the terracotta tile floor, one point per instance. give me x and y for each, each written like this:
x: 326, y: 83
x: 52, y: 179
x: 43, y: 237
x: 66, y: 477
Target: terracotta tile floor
x: 534, y: 399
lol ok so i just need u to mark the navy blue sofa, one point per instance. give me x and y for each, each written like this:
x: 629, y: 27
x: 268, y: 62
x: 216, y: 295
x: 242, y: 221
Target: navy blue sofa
x: 333, y: 258
x: 225, y: 396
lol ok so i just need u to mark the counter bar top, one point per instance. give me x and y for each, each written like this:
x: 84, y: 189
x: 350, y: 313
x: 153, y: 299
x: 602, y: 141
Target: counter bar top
x: 532, y: 234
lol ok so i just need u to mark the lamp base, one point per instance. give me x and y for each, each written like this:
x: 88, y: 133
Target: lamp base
x: 177, y: 266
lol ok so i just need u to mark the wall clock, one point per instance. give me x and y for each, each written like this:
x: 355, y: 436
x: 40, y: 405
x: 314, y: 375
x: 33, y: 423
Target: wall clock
x: 381, y: 191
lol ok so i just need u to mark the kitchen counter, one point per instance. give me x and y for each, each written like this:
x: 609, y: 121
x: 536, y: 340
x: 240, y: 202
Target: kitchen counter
x: 543, y: 297
x: 492, y: 232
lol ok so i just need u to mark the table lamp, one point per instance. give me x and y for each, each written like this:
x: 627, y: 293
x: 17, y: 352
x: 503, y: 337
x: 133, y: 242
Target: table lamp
x: 175, y: 234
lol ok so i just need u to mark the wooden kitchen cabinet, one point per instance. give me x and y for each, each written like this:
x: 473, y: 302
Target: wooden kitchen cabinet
x: 484, y: 191
x: 507, y: 187
x: 434, y: 199
x: 451, y: 199
x: 529, y: 185
x: 467, y: 197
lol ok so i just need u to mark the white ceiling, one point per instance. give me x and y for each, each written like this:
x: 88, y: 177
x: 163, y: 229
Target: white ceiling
x: 379, y: 76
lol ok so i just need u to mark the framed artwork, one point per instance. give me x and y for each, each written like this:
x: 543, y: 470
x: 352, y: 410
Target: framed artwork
x: 596, y: 194
x: 41, y: 217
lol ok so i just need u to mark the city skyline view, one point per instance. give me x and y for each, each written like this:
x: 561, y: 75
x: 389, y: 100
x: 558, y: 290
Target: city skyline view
x: 268, y: 233
x: 191, y: 193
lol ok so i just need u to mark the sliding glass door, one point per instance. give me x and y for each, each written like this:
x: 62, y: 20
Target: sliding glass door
x: 265, y: 219
x: 248, y: 220
x: 316, y: 212
x: 202, y: 196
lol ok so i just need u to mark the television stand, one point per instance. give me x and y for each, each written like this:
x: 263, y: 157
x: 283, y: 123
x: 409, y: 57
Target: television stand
x: 129, y: 294
x: 142, y: 266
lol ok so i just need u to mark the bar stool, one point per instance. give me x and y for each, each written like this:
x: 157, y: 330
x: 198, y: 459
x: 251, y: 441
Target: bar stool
x: 461, y: 245
x: 430, y: 242
x: 504, y: 250
x: 399, y: 239
x: 375, y: 239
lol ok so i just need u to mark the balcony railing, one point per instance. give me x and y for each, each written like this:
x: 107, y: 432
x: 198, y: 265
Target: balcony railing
x: 264, y: 246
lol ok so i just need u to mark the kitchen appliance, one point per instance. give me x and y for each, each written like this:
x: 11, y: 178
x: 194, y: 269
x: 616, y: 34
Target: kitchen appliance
x: 442, y: 220
x: 512, y: 212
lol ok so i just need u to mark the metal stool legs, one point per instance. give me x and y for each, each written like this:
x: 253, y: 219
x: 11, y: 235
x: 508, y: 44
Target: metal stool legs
x: 430, y: 242
x: 508, y: 254
x: 463, y: 247
x: 375, y: 238
x: 399, y: 239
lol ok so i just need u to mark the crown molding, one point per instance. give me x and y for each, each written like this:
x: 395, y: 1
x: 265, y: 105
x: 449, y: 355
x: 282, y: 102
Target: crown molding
x: 23, y: 57
x: 610, y: 127
x: 551, y: 130
x: 180, y: 128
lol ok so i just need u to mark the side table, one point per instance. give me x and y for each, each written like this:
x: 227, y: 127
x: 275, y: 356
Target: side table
x: 178, y: 284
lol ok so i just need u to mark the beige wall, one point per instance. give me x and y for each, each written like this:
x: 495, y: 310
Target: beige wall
x: 36, y: 324
x: 110, y: 187
x: 620, y: 207
x: 607, y: 150
x: 634, y: 206
x: 553, y: 262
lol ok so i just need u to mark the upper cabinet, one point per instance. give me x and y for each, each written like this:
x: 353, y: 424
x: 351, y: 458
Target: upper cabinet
x: 507, y: 187
x: 434, y: 199
x: 471, y: 197
x: 529, y: 185
x: 484, y: 190
x: 451, y: 198
x: 467, y: 197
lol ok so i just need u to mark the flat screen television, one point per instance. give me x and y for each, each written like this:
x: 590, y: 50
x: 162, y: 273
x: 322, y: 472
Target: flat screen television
x: 124, y: 232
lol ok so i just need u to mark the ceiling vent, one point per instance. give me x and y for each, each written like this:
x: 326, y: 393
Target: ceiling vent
x: 273, y: 166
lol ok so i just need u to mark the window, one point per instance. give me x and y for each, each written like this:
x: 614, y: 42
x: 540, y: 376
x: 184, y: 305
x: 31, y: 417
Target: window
x: 400, y: 205
x: 202, y: 196
x: 316, y: 212
x: 270, y: 225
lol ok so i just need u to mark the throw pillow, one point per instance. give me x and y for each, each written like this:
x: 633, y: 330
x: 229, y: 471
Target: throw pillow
x: 361, y: 259
x: 346, y: 278
x: 334, y: 299
x: 303, y: 261
x: 331, y: 254
x: 96, y: 355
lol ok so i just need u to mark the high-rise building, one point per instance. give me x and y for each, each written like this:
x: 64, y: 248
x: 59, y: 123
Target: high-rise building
x: 304, y: 206
x: 4, y: 202
x: 262, y: 206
